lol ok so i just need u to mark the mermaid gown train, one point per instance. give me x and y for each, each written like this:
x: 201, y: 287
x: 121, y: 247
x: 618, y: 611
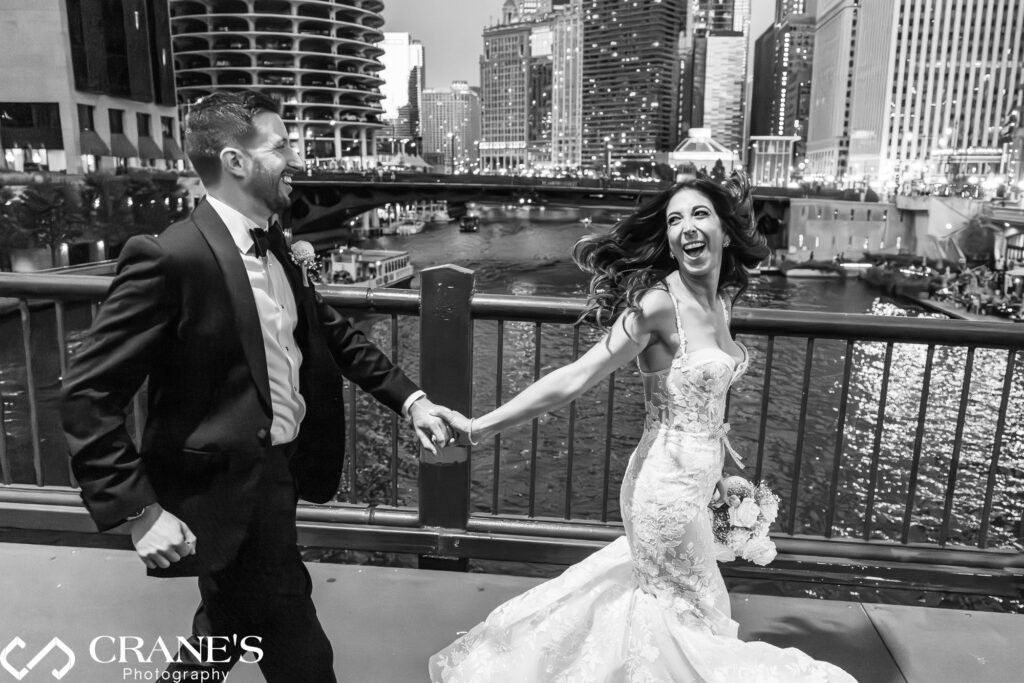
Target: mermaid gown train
x: 650, y: 606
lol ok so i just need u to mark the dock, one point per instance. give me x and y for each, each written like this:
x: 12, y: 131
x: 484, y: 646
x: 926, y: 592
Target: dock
x: 956, y: 311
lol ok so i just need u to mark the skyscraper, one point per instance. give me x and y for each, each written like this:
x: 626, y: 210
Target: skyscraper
x: 828, y: 130
x: 451, y: 126
x: 319, y: 58
x: 630, y: 79
x: 567, y: 85
x: 713, y: 80
x: 782, y: 74
x: 929, y: 84
x: 505, y: 88
x: 403, y: 86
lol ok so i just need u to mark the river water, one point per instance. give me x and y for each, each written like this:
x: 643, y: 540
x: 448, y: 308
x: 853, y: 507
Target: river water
x: 525, y: 251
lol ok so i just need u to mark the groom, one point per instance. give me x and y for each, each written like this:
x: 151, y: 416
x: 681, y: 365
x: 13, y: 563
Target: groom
x: 245, y: 366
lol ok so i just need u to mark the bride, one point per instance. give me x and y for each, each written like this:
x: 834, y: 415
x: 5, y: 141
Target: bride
x: 650, y: 606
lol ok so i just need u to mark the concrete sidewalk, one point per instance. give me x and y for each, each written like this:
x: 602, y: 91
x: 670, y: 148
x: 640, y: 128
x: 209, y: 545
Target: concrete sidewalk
x: 385, y: 622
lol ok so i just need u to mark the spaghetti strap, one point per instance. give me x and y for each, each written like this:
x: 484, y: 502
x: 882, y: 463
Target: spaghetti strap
x: 725, y: 309
x: 681, y: 351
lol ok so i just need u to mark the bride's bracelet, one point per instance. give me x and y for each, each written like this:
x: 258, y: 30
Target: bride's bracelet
x: 469, y: 434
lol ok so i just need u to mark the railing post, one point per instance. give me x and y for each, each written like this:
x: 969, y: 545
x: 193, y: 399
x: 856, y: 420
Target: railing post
x: 446, y: 374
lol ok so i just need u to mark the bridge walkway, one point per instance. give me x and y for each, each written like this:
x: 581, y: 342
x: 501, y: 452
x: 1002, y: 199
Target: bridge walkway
x: 385, y: 622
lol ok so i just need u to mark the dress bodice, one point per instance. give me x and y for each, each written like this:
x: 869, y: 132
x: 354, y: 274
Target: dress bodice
x: 690, y: 394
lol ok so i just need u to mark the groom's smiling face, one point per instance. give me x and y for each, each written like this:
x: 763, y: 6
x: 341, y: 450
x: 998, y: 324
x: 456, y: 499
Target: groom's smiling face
x: 273, y: 162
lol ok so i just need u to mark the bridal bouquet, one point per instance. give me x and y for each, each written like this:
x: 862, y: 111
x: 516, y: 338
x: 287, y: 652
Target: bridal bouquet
x: 741, y: 521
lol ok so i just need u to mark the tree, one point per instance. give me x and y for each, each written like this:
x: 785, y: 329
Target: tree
x: 126, y: 205
x: 50, y: 214
x: 11, y: 235
x: 110, y: 212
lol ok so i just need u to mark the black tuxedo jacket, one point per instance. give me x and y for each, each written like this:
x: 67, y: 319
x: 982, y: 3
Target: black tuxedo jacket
x: 181, y: 312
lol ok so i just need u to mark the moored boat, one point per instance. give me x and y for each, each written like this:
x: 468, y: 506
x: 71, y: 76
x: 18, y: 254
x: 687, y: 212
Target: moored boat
x: 410, y: 226
x: 370, y: 268
x: 812, y: 269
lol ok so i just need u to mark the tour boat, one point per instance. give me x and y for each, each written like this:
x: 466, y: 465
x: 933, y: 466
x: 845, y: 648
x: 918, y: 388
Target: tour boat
x: 370, y: 268
x: 410, y: 226
x: 815, y: 269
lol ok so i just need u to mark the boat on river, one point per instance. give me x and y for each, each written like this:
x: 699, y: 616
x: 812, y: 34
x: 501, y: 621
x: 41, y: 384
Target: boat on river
x: 469, y: 223
x: 369, y: 268
x: 813, y: 269
x: 900, y: 280
x: 410, y: 225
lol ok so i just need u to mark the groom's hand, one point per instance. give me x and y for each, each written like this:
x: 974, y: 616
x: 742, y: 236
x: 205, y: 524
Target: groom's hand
x: 431, y: 429
x: 160, y: 538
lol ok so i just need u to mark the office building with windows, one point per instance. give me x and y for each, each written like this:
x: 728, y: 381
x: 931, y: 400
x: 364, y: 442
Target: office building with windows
x: 913, y: 91
x: 630, y: 74
x: 87, y: 85
x: 320, y: 59
x: 828, y: 129
x: 713, y: 70
x: 451, y: 127
x: 781, y: 92
x: 566, y: 26
x: 505, y: 90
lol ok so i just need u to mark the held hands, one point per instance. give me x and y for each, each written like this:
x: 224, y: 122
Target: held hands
x: 160, y: 538
x: 427, y: 419
x: 466, y: 434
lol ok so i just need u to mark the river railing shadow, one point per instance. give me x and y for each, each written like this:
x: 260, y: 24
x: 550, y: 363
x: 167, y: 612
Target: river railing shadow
x: 894, y: 443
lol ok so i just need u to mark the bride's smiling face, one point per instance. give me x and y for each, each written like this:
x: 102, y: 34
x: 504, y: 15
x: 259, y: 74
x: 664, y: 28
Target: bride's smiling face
x: 695, y: 233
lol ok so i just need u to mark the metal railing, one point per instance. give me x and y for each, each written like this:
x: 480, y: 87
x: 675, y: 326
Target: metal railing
x: 889, y: 440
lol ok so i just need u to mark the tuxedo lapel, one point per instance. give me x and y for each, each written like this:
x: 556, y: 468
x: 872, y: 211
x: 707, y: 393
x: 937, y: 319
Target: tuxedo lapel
x: 239, y: 289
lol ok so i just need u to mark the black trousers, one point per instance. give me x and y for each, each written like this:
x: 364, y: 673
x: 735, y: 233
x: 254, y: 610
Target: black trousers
x: 261, y: 600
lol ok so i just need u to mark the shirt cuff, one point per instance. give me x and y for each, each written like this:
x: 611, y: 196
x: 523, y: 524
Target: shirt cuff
x: 413, y: 397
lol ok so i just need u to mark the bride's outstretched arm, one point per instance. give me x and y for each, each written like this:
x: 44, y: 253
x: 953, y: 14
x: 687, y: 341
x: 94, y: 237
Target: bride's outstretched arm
x: 630, y: 335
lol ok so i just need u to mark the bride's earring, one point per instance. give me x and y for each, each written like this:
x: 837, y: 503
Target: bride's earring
x: 726, y: 242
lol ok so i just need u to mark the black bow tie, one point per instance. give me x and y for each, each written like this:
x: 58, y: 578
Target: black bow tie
x: 261, y: 241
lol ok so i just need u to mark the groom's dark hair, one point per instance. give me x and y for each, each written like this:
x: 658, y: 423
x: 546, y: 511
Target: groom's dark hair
x: 219, y: 120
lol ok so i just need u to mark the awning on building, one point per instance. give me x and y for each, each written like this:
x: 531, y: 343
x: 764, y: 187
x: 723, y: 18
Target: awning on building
x: 121, y: 147
x: 93, y: 144
x: 172, y: 151
x: 148, y: 149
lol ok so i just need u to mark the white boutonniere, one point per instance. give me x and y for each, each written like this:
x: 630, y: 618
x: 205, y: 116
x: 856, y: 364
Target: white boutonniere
x: 305, y: 258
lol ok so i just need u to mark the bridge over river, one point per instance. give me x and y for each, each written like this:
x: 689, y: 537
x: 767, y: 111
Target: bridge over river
x: 324, y: 201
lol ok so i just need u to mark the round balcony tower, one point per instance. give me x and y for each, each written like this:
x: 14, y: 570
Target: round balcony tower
x: 319, y: 58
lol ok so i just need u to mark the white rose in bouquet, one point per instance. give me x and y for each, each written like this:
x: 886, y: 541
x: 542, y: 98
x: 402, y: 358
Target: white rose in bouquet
x: 760, y: 550
x: 745, y: 514
x: 736, y: 540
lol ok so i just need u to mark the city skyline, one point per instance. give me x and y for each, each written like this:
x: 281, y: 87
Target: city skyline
x: 448, y: 60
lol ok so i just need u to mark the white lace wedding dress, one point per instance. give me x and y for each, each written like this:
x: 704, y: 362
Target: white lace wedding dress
x: 650, y: 606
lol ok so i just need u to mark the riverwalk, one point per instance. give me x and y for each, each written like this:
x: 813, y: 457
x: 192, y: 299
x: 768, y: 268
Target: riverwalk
x: 386, y: 622
x: 957, y: 311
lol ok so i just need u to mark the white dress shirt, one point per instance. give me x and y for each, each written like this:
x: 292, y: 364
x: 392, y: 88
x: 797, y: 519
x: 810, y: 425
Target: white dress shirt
x: 278, y: 315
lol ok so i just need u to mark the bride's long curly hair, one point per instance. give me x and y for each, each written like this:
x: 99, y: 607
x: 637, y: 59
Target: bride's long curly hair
x: 635, y: 254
